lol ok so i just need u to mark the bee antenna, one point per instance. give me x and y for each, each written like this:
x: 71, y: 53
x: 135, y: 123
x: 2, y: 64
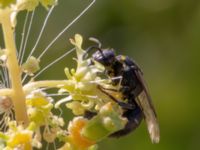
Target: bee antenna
x: 95, y: 40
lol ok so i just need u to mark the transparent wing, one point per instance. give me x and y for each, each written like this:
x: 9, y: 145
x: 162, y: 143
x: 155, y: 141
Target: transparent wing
x: 145, y: 103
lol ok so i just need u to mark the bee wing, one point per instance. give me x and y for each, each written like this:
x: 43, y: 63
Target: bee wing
x: 145, y: 103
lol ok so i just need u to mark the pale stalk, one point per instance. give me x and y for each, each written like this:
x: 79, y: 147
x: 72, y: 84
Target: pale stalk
x: 46, y: 84
x: 6, y: 92
x: 18, y: 96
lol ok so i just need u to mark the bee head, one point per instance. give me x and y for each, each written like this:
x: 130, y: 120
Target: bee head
x: 106, y: 57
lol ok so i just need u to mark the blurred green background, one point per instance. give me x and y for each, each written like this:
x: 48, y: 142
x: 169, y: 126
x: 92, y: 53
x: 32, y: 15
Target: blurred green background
x: 163, y: 36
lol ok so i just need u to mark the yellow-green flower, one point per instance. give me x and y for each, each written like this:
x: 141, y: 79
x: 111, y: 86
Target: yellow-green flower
x: 39, y: 107
x: 18, y: 137
x: 84, y: 80
x: 26, y: 5
x: 5, y: 3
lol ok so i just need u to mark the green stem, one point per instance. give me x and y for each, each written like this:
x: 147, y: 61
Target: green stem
x: 18, y: 96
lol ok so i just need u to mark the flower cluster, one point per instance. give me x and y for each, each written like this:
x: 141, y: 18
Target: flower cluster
x: 82, y: 133
x: 25, y: 4
x: 12, y: 7
x: 84, y: 95
x: 33, y: 107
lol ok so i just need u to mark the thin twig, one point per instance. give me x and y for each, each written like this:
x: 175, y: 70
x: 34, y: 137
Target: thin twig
x: 65, y: 29
x: 42, y: 30
x: 27, y: 37
x: 52, y: 63
x: 23, y: 35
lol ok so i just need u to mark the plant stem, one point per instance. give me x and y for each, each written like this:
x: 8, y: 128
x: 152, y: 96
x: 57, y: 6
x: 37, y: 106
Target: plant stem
x: 18, y: 96
x: 6, y: 92
x: 47, y: 84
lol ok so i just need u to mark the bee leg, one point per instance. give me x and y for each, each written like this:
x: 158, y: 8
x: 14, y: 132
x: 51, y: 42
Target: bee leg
x: 89, y: 114
x: 122, y: 104
x: 117, y: 81
x: 120, y: 83
x: 103, y: 88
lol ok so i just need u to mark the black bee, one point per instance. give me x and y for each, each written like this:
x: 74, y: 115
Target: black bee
x: 133, y: 89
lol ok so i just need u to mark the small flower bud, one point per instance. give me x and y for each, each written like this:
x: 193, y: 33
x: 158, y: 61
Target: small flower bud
x: 5, y: 104
x: 107, y: 121
x: 49, y: 135
x: 76, y: 108
x: 31, y: 66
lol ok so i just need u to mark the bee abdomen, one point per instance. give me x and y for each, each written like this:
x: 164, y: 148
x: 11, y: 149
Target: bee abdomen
x: 134, y: 117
